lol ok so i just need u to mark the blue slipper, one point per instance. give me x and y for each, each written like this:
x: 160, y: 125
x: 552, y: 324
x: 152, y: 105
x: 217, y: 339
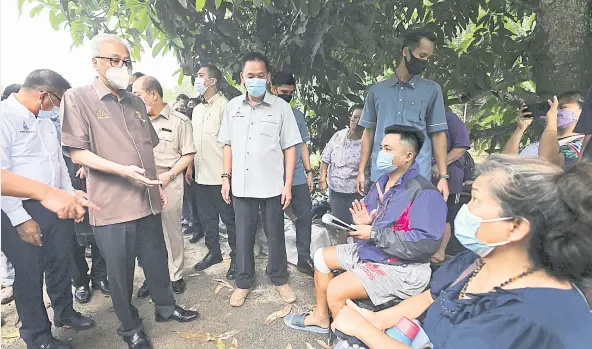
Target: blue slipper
x: 296, y: 321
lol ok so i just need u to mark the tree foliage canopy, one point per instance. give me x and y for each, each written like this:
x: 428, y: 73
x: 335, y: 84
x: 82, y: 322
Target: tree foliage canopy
x: 485, y: 53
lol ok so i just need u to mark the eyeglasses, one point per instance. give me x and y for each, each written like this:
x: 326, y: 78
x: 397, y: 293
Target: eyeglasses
x: 49, y: 94
x: 118, y: 62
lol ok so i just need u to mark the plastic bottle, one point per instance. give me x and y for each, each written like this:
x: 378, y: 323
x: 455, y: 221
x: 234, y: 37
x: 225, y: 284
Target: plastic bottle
x: 404, y: 331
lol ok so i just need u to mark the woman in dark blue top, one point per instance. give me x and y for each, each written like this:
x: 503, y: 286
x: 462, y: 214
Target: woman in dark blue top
x: 528, y: 229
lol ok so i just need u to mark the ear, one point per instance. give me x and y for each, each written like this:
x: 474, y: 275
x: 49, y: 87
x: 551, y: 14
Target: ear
x: 405, y: 51
x: 274, y: 90
x: 242, y: 77
x: 269, y: 78
x: 520, y: 230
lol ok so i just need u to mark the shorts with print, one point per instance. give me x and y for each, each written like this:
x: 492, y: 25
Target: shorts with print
x: 384, y: 282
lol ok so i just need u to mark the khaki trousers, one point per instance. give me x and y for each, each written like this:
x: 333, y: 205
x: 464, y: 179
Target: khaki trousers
x: 171, y: 225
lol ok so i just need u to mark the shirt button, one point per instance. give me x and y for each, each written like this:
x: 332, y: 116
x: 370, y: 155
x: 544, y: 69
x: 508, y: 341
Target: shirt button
x: 399, y: 113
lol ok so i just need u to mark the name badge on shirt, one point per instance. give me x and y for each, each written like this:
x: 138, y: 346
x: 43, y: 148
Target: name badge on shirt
x: 102, y: 114
x: 238, y: 115
x: 166, y: 130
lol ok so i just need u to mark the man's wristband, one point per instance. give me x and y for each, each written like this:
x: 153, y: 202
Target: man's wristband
x: 443, y: 176
x: 226, y: 175
x: 309, y: 171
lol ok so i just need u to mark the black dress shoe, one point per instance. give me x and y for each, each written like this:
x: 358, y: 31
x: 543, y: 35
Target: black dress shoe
x: 196, y: 237
x: 188, y: 231
x: 306, y: 266
x: 209, y: 260
x: 230, y: 274
x: 77, y: 322
x: 143, y: 292
x: 53, y: 343
x: 179, y: 314
x: 178, y: 286
x: 138, y: 341
x: 82, y: 294
x: 102, y: 286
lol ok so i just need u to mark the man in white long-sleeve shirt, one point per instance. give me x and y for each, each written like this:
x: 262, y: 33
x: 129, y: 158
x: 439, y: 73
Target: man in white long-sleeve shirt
x: 34, y: 239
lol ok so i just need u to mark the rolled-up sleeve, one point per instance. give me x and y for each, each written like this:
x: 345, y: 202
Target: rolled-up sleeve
x: 225, y: 131
x: 436, y: 114
x: 186, y: 137
x: 459, y: 134
x: 369, y: 116
x: 289, y: 133
x: 75, y: 124
x: 12, y: 206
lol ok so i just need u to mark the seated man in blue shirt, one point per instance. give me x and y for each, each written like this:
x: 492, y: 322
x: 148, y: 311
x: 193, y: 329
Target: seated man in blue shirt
x: 399, y: 225
x: 407, y: 99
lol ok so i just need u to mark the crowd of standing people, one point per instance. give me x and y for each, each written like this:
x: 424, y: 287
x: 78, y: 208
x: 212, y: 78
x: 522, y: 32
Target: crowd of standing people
x: 148, y: 171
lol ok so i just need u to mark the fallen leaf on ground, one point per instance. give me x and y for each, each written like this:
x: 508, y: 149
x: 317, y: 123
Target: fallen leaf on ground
x: 323, y: 344
x: 279, y: 314
x: 289, y: 346
x: 224, y: 283
x: 150, y: 300
x: 308, y: 346
x: 218, y: 289
x: 220, y: 344
x: 234, y: 344
x: 11, y: 335
x: 228, y: 334
x: 192, y: 275
x: 197, y: 336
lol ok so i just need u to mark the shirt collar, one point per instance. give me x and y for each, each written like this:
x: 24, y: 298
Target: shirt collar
x: 212, y: 99
x: 268, y: 98
x: 103, y: 90
x: 165, y: 112
x: 11, y: 100
x: 412, y: 82
x: 411, y: 172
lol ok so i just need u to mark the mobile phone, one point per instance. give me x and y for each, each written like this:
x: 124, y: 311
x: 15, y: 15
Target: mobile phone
x: 336, y: 222
x: 537, y: 109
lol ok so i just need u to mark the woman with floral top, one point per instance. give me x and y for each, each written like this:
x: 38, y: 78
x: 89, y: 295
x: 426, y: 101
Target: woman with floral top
x: 339, y: 168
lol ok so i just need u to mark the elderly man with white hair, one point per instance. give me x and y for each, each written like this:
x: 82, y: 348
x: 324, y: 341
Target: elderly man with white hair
x: 108, y: 132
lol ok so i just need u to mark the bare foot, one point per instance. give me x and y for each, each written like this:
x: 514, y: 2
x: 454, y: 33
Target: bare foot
x: 314, y: 319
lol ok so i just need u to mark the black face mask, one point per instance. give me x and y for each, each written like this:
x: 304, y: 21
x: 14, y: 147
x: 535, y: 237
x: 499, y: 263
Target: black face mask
x: 286, y: 97
x: 414, y: 65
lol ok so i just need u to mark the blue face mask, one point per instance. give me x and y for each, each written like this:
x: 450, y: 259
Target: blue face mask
x: 256, y: 87
x: 466, y: 225
x: 384, y: 161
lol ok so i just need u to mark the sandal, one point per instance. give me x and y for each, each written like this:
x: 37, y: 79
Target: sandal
x: 296, y: 321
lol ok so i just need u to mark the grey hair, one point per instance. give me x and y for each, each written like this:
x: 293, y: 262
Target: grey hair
x: 99, y: 39
x: 557, y: 205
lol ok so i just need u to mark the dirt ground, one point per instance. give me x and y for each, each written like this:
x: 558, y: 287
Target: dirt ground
x: 217, y: 316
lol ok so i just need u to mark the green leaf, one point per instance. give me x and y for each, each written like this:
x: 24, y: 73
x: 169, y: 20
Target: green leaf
x: 53, y: 20
x: 150, y: 35
x: 218, y: 3
x: 156, y: 49
x: 112, y: 8
x: 20, y: 6
x: 180, y: 79
x: 199, y: 5
x: 36, y: 10
x: 177, y: 41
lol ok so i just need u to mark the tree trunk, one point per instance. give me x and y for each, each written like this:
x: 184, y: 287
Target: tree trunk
x: 563, y: 61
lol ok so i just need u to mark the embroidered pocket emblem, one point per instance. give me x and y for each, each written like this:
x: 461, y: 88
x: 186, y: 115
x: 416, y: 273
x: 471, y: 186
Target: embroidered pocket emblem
x: 102, y: 114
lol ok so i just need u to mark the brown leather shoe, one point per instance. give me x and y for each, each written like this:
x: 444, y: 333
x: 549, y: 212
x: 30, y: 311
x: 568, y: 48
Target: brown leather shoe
x: 286, y: 293
x: 238, y: 296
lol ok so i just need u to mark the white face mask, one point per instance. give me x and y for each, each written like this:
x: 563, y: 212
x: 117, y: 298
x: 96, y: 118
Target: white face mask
x: 119, y: 77
x: 200, y: 85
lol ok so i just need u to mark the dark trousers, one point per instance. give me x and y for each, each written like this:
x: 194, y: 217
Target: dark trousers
x: 120, y: 244
x: 31, y: 262
x: 211, y: 208
x: 190, y: 206
x: 301, y: 205
x: 80, y: 275
x: 80, y: 267
x: 340, y: 204
x: 246, y: 212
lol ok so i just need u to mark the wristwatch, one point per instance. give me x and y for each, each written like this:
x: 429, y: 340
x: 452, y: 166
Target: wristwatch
x: 443, y: 176
x: 172, y: 175
x: 308, y: 171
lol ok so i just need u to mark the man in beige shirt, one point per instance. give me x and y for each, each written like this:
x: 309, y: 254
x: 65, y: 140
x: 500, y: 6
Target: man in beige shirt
x: 207, y: 118
x: 107, y: 131
x: 173, y: 154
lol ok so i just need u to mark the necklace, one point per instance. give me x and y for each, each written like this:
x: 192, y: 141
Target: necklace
x: 463, y: 292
